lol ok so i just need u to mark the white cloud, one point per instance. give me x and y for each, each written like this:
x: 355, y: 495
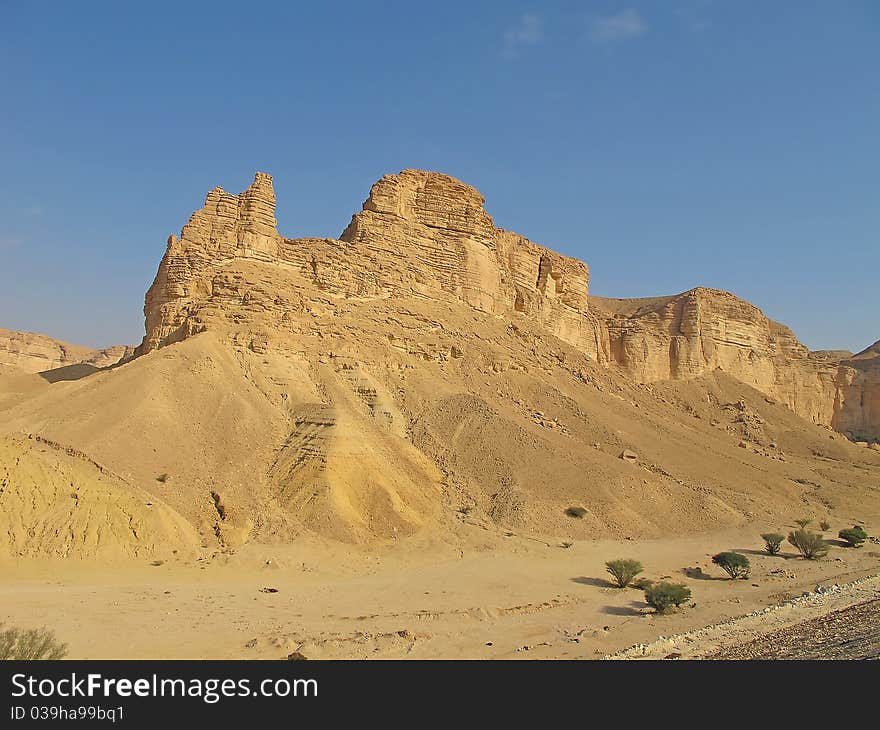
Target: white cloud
x: 528, y: 31
x: 620, y: 27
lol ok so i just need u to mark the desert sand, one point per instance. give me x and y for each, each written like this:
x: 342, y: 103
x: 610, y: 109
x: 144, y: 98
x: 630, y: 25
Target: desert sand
x: 502, y: 597
x: 426, y: 438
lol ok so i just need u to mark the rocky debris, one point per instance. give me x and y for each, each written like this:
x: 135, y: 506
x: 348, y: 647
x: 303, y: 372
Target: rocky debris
x: 858, y: 636
x: 630, y: 456
x: 849, y: 633
x: 546, y: 422
x: 783, y: 572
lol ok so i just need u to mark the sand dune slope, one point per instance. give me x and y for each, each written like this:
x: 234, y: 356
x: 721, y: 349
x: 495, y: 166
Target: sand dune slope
x: 55, y: 503
x: 361, y: 445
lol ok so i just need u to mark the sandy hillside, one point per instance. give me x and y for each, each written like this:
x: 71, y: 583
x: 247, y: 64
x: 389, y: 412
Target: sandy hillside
x: 267, y: 448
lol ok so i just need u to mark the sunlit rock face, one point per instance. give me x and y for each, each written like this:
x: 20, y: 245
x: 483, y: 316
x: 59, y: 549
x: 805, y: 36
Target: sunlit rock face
x: 427, y: 236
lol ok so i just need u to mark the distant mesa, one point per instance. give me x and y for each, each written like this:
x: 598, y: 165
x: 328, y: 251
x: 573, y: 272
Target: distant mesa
x: 34, y: 353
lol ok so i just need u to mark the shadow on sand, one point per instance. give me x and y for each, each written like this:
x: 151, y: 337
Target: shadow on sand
x: 634, y: 609
x: 764, y: 553
x: 698, y: 574
x: 598, y: 582
x: 69, y: 372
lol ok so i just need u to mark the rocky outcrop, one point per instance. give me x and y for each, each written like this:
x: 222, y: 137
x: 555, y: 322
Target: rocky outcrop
x: 227, y: 227
x: 35, y: 353
x: 704, y: 330
x: 427, y: 236
x: 420, y: 234
x: 857, y: 409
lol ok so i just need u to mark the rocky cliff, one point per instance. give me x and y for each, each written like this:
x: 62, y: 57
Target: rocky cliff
x: 704, y: 330
x: 426, y: 236
x: 420, y: 234
x: 35, y: 353
x: 857, y: 408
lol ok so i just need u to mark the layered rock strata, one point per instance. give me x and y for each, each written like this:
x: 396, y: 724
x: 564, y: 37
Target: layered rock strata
x: 427, y: 236
x: 35, y: 353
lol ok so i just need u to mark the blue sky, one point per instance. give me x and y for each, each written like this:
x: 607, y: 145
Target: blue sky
x: 668, y: 144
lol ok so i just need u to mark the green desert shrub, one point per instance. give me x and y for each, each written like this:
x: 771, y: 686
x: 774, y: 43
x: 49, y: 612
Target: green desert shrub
x: 623, y: 570
x: 30, y: 644
x: 854, y: 536
x: 772, y: 541
x: 734, y: 564
x: 663, y: 596
x: 803, y: 522
x: 809, y: 544
x: 824, y: 525
x: 642, y: 584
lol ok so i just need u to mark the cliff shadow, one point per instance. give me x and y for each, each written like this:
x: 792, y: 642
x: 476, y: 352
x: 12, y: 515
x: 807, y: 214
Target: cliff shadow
x: 76, y: 371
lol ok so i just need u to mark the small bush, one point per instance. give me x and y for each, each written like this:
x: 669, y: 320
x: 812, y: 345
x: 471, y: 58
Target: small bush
x: 810, y: 544
x: 30, y: 644
x: 854, y: 536
x: 663, y: 596
x: 734, y: 564
x: 578, y: 512
x: 824, y: 525
x: 642, y: 584
x: 772, y: 541
x: 803, y: 522
x: 623, y: 570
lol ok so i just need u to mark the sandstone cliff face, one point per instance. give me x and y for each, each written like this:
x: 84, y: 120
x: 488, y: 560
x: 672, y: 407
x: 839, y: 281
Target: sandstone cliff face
x: 421, y: 235
x: 227, y: 227
x: 34, y: 353
x: 857, y: 411
x: 703, y: 330
x: 427, y: 236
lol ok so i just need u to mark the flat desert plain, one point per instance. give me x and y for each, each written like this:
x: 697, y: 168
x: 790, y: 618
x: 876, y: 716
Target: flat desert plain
x: 507, y: 597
